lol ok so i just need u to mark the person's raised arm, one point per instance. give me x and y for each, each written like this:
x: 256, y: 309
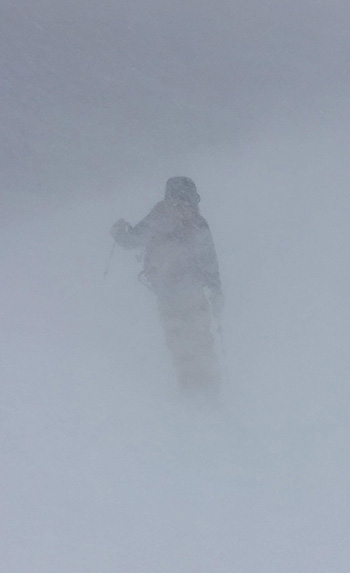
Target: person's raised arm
x: 130, y: 237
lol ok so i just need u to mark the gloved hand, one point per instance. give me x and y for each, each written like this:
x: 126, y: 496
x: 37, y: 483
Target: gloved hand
x: 217, y: 303
x: 119, y: 228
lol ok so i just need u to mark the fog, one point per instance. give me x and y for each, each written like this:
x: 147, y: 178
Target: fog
x: 106, y: 465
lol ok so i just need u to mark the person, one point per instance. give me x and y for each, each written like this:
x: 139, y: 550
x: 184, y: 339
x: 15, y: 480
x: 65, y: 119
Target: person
x: 181, y: 267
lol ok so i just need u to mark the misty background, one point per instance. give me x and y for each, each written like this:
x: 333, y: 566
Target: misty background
x: 105, y: 466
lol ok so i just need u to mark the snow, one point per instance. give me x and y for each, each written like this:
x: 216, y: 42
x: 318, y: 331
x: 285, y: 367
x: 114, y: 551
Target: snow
x: 105, y: 465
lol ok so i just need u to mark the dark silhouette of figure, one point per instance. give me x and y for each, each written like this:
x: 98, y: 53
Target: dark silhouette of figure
x: 180, y: 265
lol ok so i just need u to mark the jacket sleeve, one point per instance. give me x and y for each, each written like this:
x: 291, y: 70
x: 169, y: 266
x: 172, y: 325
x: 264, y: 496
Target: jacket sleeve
x: 207, y: 259
x: 137, y: 236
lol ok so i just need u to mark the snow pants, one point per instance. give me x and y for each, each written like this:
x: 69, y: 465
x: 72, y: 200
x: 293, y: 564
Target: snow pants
x: 186, y: 319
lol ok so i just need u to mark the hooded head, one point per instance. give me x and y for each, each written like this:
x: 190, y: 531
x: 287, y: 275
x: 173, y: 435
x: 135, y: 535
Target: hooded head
x: 182, y: 189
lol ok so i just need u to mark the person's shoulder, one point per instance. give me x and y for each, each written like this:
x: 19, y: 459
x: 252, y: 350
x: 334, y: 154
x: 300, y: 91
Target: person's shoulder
x: 201, y: 222
x: 159, y: 208
x: 156, y: 212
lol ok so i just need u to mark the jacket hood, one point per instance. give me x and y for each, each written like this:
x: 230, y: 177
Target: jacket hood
x: 182, y: 189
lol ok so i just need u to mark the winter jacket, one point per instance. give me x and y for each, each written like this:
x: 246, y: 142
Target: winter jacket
x: 178, y: 247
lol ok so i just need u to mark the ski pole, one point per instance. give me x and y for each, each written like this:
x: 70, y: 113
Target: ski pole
x: 108, y: 265
x: 223, y: 351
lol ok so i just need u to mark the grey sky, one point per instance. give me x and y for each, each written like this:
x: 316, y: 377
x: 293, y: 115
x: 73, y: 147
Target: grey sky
x: 95, y: 90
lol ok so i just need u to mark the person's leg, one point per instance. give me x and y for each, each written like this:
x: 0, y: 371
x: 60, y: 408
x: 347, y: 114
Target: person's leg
x: 186, y: 320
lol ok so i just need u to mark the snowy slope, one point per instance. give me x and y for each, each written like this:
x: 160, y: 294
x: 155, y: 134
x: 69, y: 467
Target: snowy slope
x: 106, y: 467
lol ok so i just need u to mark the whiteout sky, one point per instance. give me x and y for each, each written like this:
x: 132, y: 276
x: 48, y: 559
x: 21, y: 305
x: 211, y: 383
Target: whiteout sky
x: 105, y: 467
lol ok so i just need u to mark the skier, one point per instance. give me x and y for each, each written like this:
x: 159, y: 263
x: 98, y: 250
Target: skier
x: 180, y: 266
